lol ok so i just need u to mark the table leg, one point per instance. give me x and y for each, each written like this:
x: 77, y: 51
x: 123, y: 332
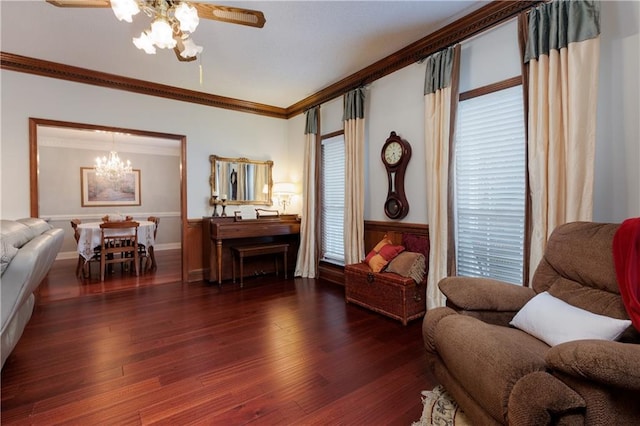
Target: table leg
x: 152, y: 257
x: 285, y: 263
x: 233, y: 267
x: 219, y: 260
x: 241, y: 271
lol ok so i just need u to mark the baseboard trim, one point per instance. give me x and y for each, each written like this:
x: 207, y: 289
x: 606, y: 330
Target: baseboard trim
x: 331, y: 272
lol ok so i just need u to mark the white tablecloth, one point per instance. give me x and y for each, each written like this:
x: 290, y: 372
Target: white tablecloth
x: 90, y: 236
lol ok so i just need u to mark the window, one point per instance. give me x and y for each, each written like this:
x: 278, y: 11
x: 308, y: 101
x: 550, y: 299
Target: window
x: 332, y: 196
x: 490, y: 186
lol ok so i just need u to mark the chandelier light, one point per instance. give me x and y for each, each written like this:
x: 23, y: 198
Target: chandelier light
x: 113, y: 169
x: 173, y: 23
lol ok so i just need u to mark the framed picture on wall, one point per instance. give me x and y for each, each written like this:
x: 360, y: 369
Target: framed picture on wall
x: 97, y: 191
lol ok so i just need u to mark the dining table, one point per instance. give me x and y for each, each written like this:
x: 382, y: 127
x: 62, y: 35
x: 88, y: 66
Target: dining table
x: 91, y: 237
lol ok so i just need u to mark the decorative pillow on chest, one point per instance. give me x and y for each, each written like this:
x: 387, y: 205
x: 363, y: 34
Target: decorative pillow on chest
x: 409, y: 264
x: 382, y: 254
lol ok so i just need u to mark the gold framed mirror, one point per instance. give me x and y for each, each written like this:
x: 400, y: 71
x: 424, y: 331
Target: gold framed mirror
x: 241, y: 181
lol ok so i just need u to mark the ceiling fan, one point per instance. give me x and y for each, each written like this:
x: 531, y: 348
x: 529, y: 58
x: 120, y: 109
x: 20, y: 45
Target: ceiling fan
x: 173, y: 21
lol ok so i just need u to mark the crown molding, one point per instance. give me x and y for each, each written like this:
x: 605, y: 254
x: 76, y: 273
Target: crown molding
x: 480, y: 20
x: 44, y: 68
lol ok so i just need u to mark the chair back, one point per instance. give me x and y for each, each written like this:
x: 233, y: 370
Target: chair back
x: 116, y: 218
x: 156, y: 222
x: 74, y: 226
x: 577, y: 267
x: 119, y: 241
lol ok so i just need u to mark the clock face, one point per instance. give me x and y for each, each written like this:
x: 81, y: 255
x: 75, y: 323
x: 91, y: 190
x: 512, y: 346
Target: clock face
x: 393, y: 153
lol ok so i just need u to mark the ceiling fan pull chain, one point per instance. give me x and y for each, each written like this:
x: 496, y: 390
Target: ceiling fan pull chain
x: 200, y: 67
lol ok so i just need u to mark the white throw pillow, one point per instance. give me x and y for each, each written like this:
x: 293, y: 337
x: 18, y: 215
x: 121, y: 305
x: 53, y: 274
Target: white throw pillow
x: 554, y: 321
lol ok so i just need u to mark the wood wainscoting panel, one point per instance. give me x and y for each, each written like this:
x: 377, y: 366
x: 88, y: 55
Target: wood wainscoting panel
x: 197, y: 257
x: 195, y: 266
x: 374, y: 231
x: 331, y: 272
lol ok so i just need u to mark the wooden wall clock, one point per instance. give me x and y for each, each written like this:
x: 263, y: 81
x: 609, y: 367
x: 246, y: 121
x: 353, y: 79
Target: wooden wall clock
x: 396, y: 153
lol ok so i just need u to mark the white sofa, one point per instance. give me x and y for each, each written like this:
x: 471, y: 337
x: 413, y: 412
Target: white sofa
x: 28, y: 248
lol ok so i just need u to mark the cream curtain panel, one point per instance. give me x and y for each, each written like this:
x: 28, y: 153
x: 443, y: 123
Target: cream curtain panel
x: 307, y: 261
x: 562, y: 52
x: 354, y: 176
x: 440, y: 98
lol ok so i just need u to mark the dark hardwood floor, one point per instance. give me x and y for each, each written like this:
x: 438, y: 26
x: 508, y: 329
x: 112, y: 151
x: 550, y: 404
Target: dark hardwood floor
x: 152, y: 350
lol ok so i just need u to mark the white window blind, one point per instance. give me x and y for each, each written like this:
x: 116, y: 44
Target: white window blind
x: 490, y: 186
x: 332, y: 192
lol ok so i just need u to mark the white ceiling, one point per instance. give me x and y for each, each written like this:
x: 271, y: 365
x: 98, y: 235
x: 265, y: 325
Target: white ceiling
x: 304, y: 46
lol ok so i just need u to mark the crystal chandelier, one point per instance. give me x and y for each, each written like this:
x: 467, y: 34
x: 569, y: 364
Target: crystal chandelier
x: 173, y: 23
x: 113, y: 169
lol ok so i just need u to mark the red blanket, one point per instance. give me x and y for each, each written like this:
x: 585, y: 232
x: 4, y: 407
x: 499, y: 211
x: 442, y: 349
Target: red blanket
x: 626, y: 256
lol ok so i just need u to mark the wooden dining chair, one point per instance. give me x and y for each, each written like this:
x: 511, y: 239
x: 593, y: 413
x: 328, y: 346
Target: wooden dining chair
x: 146, y: 253
x: 76, y: 236
x: 156, y: 221
x: 119, y: 241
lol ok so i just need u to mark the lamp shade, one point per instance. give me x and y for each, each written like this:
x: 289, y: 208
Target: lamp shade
x: 284, y: 188
x: 145, y: 43
x: 188, y: 17
x: 162, y: 34
x: 190, y: 49
x: 124, y: 9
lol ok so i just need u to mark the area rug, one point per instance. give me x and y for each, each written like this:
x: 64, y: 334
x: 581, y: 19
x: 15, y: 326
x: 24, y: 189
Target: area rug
x: 440, y: 409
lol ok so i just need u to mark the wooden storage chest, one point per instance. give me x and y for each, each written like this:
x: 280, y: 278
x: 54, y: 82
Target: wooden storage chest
x: 387, y: 293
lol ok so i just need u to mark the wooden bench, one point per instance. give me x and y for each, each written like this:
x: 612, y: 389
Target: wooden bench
x: 240, y: 252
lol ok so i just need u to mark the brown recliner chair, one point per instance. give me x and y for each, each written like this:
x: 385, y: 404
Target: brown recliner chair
x: 499, y: 374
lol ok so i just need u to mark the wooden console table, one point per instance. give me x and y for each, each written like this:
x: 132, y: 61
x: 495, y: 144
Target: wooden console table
x: 239, y: 253
x: 222, y: 233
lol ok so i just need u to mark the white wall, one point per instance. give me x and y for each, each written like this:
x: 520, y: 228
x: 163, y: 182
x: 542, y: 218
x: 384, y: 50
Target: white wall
x: 395, y: 103
x: 208, y: 131
x: 617, y: 168
x: 294, y: 171
x: 331, y: 116
x: 60, y: 191
x: 490, y: 57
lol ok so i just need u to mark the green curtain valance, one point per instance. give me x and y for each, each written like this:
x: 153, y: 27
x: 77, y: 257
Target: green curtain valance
x: 552, y: 26
x: 353, y: 104
x: 311, y: 117
x: 438, y: 73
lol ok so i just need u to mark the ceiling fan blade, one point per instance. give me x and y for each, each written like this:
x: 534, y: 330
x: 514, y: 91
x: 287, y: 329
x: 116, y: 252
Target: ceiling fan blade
x: 234, y: 15
x: 80, y: 3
